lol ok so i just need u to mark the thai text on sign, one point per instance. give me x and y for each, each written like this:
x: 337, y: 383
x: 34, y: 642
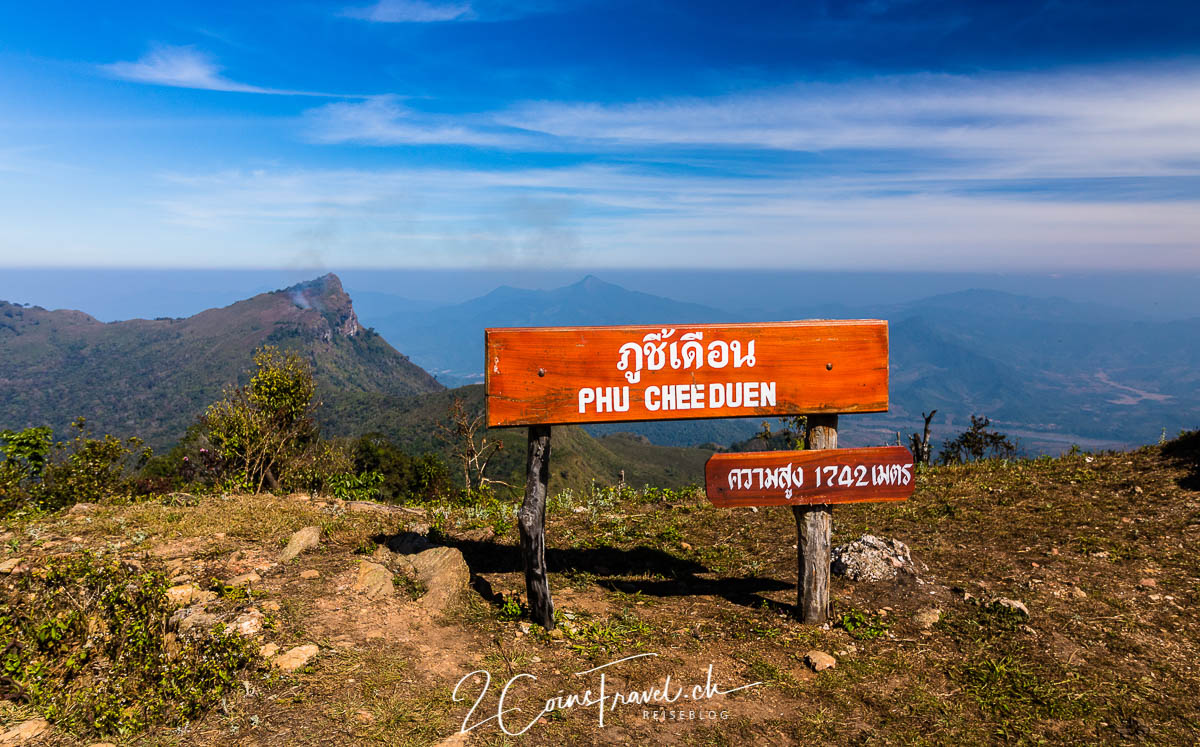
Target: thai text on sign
x: 785, y: 478
x: 554, y: 375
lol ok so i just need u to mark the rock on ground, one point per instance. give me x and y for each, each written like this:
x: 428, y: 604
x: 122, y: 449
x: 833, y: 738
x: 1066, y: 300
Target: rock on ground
x: 819, y: 661
x: 295, y: 658
x: 305, y: 539
x: 249, y: 623
x: 374, y: 580
x: 871, y: 558
x: 185, y: 595
x: 25, y: 731
x: 246, y: 579
x: 927, y: 617
x: 444, y: 573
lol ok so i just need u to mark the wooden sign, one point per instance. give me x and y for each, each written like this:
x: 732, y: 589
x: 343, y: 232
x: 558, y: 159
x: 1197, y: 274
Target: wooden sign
x: 792, y: 478
x: 558, y: 375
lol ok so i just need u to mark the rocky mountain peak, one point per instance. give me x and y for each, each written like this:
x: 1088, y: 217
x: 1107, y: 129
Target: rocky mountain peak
x: 326, y: 296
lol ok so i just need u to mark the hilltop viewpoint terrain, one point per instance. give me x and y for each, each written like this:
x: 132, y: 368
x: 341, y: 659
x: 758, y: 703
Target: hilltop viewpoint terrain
x: 1045, y: 601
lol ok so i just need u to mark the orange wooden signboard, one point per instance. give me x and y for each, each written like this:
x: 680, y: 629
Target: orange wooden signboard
x: 798, y: 478
x: 558, y: 375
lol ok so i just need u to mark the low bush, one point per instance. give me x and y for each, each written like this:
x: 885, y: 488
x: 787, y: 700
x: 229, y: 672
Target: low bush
x: 86, y: 643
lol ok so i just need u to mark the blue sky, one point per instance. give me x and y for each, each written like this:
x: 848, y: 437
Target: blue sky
x: 905, y: 135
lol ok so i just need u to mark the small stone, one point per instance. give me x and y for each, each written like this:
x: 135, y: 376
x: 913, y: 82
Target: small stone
x: 181, y: 595
x: 246, y: 579
x: 191, y: 621
x: 1078, y: 593
x: 9, y: 565
x: 819, y: 661
x: 927, y: 617
x: 305, y: 539
x: 25, y: 731
x: 249, y: 623
x: 268, y: 650
x: 444, y: 573
x: 295, y: 658
x: 310, y: 573
x: 373, y: 580
x: 1013, y: 605
x: 1148, y: 582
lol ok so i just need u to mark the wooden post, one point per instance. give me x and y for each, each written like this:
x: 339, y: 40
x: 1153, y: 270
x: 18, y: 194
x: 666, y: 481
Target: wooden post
x: 814, y: 524
x: 531, y: 521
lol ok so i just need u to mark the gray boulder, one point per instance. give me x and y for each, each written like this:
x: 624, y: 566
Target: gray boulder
x: 871, y: 558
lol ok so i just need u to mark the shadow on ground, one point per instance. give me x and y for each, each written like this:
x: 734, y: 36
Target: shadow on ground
x: 1185, y: 451
x: 612, y: 568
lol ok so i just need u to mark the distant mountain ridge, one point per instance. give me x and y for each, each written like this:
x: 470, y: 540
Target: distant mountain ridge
x: 1048, y: 370
x: 448, y: 340
x: 152, y: 378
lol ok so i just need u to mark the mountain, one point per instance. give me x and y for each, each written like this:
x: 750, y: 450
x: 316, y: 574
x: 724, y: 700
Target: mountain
x: 448, y: 340
x: 153, y: 378
x: 1048, y: 371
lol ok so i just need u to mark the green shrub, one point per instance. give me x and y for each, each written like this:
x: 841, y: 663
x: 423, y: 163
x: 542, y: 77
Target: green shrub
x: 262, y: 431
x: 86, y: 643
x: 40, y: 473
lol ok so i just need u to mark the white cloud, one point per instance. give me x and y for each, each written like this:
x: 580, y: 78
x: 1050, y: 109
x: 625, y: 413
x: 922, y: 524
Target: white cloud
x: 383, y: 120
x: 185, y: 67
x: 483, y: 11
x: 1109, y: 122
x: 411, y: 11
x: 1016, y: 126
x: 623, y: 217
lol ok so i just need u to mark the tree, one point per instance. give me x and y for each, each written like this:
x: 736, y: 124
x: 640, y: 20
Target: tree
x: 472, y: 449
x: 261, y: 430
x: 789, y: 437
x: 977, y: 443
x: 919, y: 444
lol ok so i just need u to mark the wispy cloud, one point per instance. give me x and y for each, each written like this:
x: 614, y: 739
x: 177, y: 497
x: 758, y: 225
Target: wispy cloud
x: 626, y: 216
x: 186, y: 67
x: 1048, y: 125
x: 384, y: 120
x: 411, y: 11
x: 424, y: 11
x: 1100, y: 122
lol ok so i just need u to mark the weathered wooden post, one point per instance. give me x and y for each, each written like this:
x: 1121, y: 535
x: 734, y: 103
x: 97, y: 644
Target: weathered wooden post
x: 814, y: 526
x: 531, y: 521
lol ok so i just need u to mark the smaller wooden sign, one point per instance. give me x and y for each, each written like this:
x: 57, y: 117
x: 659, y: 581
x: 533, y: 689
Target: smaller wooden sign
x: 797, y: 478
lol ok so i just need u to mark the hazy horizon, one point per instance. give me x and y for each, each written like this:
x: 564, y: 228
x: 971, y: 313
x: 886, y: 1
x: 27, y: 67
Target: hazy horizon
x: 117, y: 294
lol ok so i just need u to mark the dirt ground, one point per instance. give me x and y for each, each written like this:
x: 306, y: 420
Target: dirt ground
x: 699, y: 601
